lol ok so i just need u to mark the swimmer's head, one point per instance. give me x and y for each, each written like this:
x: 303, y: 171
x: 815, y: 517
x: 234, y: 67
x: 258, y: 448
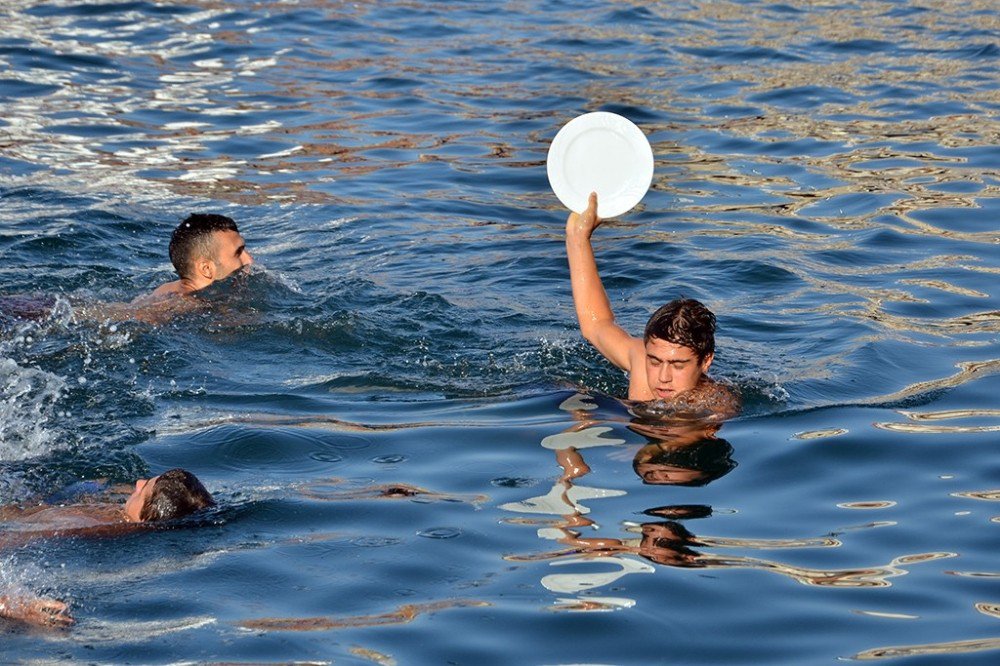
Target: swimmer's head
x: 174, y: 494
x: 680, y: 346
x: 206, y: 247
x: 685, y: 322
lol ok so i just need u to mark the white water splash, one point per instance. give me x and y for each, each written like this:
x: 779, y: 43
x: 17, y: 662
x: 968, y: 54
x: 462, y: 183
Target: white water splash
x: 28, y: 411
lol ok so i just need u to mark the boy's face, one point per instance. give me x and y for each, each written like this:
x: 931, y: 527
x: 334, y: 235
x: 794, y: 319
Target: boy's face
x: 672, y: 368
x: 137, y: 500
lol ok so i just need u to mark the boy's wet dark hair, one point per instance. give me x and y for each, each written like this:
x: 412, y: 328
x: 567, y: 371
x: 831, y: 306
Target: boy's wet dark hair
x: 176, y: 493
x: 684, y: 321
x: 192, y: 239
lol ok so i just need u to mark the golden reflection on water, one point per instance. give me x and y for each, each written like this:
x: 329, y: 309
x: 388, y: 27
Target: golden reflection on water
x: 954, y: 647
x: 935, y: 430
x: 820, y: 434
x: 968, y: 372
x: 403, y: 615
x: 373, y: 655
x: 986, y: 495
x: 993, y: 610
x: 332, y: 490
x: 876, y: 576
x: 885, y: 504
x: 925, y: 428
x: 450, y: 76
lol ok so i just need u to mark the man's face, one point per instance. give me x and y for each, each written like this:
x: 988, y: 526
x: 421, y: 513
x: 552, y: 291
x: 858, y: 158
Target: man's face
x: 672, y: 368
x: 137, y: 500
x: 230, y: 253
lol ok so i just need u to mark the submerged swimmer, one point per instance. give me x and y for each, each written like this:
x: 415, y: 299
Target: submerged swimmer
x: 204, y: 249
x: 669, y: 363
x: 172, y: 495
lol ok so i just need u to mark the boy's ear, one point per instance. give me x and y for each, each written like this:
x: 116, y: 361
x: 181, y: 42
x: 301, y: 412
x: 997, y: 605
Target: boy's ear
x: 707, y: 362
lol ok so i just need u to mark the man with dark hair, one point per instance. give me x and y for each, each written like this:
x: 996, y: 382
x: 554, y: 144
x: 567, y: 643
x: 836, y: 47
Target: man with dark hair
x: 670, y: 361
x: 87, y: 511
x: 172, y: 495
x: 204, y: 248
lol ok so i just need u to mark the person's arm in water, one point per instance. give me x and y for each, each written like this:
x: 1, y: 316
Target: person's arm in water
x: 593, y: 309
x: 35, y: 610
x: 146, y: 309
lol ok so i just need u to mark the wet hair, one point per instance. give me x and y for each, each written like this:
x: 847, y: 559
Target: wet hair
x: 176, y: 493
x: 684, y: 321
x: 192, y: 239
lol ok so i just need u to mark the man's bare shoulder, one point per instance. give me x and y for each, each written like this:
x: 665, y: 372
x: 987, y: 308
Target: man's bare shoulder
x: 163, y: 292
x: 157, y: 307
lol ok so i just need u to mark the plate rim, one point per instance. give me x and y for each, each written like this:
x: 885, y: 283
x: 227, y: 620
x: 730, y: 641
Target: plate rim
x: 581, y: 123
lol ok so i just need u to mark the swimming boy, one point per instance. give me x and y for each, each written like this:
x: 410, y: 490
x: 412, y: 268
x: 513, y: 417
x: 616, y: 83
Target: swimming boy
x: 174, y: 494
x: 670, y: 361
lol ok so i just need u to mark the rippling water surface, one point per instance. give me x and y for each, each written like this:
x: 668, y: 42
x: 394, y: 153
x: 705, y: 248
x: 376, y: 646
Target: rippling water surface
x: 419, y: 459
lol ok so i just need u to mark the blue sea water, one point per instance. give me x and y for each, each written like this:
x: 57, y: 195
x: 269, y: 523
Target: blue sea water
x: 827, y: 181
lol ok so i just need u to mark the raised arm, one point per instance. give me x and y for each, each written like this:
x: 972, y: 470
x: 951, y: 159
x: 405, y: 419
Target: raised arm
x: 593, y: 310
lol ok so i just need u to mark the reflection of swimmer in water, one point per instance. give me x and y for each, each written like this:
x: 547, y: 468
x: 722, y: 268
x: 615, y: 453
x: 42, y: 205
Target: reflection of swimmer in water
x: 683, y: 463
x: 174, y: 494
x: 679, y: 453
x: 668, y: 363
x: 666, y: 542
x: 204, y: 249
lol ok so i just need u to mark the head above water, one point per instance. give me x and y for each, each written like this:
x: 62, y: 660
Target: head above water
x: 207, y: 247
x: 174, y: 494
x: 680, y: 346
x: 685, y: 322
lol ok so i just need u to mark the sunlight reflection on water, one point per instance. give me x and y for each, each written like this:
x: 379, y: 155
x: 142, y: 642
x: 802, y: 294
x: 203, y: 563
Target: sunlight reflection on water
x: 827, y: 180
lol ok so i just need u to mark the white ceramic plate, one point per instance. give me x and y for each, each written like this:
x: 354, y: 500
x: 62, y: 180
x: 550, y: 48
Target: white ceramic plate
x: 600, y: 152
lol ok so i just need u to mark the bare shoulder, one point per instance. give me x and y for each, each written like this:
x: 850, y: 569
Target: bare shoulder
x: 158, y: 307
x: 636, y: 353
x: 70, y: 517
x: 161, y: 293
x: 721, y: 398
